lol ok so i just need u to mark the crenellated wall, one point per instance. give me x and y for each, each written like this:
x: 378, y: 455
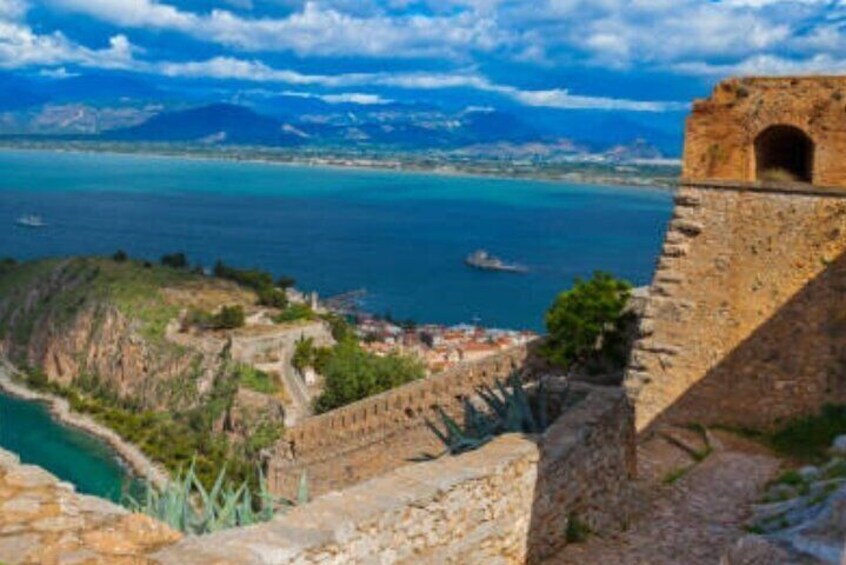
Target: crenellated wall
x: 374, y: 435
x: 746, y: 320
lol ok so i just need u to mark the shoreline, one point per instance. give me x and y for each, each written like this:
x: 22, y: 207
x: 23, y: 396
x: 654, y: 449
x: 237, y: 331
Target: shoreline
x: 331, y: 163
x: 59, y: 408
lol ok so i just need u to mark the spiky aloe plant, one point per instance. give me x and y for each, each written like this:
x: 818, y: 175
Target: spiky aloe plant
x: 508, y: 410
x: 184, y: 504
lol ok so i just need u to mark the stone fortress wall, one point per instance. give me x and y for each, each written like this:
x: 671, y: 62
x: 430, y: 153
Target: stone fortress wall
x: 377, y: 434
x: 508, y: 502
x: 746, y: 320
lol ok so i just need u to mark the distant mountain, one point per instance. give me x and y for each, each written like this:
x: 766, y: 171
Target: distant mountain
x: 214, y: 123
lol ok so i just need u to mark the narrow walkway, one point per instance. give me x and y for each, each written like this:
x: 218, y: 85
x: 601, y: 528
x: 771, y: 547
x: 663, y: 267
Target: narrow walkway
x: 685, y: 517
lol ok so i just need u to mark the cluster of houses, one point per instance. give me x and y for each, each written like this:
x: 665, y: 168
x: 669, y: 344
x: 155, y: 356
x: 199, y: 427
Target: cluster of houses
x: 438, y: 347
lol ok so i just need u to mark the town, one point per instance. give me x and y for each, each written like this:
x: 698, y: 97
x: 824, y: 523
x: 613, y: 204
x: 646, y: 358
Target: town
x: 438, y: 347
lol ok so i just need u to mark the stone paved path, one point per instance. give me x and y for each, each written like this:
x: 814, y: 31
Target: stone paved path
x: 695, y: 519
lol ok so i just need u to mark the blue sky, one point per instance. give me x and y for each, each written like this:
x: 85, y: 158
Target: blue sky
x: 638, y: 56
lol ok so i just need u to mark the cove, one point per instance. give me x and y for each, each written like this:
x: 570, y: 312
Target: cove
x: 28, y: 429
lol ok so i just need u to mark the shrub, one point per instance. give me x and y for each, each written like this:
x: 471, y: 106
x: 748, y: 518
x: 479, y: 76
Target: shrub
x: 285, y: 282
x: 272, y: 297
x: 350, y: 374
x: 586, y: 324
x: 293, y: 313
x: 259, y: 281
x: 120, y: 256
x: 304, y: 354
x: 229, y: 317
x: 175, y: 261
x: 807, y: 438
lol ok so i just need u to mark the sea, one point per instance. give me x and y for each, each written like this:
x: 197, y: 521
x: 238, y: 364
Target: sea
x: 400, y: 236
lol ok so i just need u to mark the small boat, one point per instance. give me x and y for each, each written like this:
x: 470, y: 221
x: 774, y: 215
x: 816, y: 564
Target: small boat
x: 31, y: 221
x: 483, y: 260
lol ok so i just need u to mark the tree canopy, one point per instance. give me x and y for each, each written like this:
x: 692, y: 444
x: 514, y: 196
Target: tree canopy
x: 586, y: 322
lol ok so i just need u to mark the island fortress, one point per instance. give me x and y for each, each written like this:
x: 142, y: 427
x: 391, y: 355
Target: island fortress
x: 746, y: 321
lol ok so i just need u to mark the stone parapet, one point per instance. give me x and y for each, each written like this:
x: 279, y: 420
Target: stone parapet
x: 508, y: 502
x: 43, y: 521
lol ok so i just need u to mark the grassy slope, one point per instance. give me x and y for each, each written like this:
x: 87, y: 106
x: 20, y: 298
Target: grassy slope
x: 59, y: 289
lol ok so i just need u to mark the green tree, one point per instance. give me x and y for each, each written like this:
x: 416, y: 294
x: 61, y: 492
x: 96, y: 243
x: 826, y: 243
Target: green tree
x: 175, y: 260
x: 229, y: 317
x: 285, y: 282
x: 350, y: 374
x: 120, y: 256
x: 586, y: 323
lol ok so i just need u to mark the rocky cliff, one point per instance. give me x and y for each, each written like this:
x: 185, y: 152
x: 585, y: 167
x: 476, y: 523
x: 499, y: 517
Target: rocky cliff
x: 94, y: 322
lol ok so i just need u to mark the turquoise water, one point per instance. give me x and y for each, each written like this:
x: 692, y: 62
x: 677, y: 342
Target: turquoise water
x: 400, y: 236
x: 28, y: 429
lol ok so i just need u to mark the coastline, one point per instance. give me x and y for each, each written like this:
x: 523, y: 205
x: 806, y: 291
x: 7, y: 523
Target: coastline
x: 59, y: 408
x: 342, y: 163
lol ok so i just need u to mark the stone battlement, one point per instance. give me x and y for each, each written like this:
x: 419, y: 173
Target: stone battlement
x: 323, y: 444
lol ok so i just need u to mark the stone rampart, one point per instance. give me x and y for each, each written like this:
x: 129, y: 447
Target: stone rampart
x: 746, y: 320
x: 385, y: 429
x: 508, y: 502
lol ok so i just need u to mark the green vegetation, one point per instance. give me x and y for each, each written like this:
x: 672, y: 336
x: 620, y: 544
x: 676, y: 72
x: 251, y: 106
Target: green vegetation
x: 586, y: 324
x: 808, y: 438
x: 175, y: 260
x: 507, y: 410
x: 256, y: 380
x: 294, y: 313
x: 229, y: 317
x: 59, y: 289
x: 260, y: 281
x: 350, y: 373
x: 171, y: 438
x: 186, y: 505
x: 675, y: 475
x: 285, y: 282
x: 120, y: 256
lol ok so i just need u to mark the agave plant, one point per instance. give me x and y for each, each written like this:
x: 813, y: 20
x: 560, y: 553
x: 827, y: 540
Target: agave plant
x: 184, y: 504
x: 508, y: 410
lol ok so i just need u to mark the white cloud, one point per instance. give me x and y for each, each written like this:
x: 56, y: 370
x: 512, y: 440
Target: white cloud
x: 314, y: 30
x: 230, y: 68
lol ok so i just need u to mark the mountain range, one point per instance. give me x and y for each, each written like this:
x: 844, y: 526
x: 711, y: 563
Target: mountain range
x: 115, y: 107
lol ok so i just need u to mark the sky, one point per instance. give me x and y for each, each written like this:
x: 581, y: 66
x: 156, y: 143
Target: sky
x: 645, y: 56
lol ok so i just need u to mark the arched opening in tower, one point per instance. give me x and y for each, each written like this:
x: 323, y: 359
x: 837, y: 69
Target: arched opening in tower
x: 784, y: 153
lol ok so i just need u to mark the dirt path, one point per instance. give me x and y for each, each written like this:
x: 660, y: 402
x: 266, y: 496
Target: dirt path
x: 685, y: 517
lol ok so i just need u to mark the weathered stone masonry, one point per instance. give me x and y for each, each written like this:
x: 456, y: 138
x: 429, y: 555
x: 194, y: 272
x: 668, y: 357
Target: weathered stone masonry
x: 746, y: 323
x: 508, y: 502
x: 377, y: 434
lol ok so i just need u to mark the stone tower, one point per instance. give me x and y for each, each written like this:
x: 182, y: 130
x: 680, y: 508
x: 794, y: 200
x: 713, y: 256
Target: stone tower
x: 746, y: 320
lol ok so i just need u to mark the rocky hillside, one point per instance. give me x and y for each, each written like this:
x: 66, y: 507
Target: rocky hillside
x: 86, y: 320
